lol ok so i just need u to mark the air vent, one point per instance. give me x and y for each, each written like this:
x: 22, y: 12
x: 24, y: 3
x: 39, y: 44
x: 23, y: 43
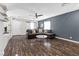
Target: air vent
x: 65, y: 4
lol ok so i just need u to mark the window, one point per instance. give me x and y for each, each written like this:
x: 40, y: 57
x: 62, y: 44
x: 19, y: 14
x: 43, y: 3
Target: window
x: 47, y: 25
x: 32, y: 25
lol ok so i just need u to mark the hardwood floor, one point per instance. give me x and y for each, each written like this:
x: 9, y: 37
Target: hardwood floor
x: 19, y: 45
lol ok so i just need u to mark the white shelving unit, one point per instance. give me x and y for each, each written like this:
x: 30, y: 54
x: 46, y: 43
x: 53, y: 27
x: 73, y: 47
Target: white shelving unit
x: 3, y: 14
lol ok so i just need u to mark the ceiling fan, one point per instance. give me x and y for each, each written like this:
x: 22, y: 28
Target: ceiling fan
x: 38, y: 15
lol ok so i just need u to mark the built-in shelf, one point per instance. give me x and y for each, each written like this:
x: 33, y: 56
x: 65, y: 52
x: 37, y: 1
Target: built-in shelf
x: 3, y: 16
x: 3, y: 7
x: 3, y: 20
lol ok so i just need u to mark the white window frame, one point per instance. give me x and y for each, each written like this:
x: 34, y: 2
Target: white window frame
x: 47, y: 25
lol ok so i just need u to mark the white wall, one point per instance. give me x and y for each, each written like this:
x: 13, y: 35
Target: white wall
x: 1, y: 28
x: 24, y: 26
x: 19, y: 27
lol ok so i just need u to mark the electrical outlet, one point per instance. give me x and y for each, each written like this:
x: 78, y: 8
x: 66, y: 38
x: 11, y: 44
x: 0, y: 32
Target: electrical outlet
x: 70, y: 37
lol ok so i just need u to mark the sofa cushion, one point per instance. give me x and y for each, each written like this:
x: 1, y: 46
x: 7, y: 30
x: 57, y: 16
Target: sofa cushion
x: 49, y: 31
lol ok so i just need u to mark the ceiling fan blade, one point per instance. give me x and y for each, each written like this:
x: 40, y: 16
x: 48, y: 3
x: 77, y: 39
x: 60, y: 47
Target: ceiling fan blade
x: 40, y: 15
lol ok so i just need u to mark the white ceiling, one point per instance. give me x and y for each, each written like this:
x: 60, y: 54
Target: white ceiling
x: 25, y: 11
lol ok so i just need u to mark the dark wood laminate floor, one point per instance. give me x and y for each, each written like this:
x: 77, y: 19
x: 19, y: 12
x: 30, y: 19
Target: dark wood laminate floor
x: 19, y: 45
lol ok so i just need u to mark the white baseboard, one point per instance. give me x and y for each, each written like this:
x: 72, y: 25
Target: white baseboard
x: 68, y: 40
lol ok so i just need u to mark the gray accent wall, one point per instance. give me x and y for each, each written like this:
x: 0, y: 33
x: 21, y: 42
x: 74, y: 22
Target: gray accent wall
x: 65, y: 25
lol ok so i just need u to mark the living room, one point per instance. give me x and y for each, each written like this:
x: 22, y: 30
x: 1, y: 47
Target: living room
x: 39, y: 29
